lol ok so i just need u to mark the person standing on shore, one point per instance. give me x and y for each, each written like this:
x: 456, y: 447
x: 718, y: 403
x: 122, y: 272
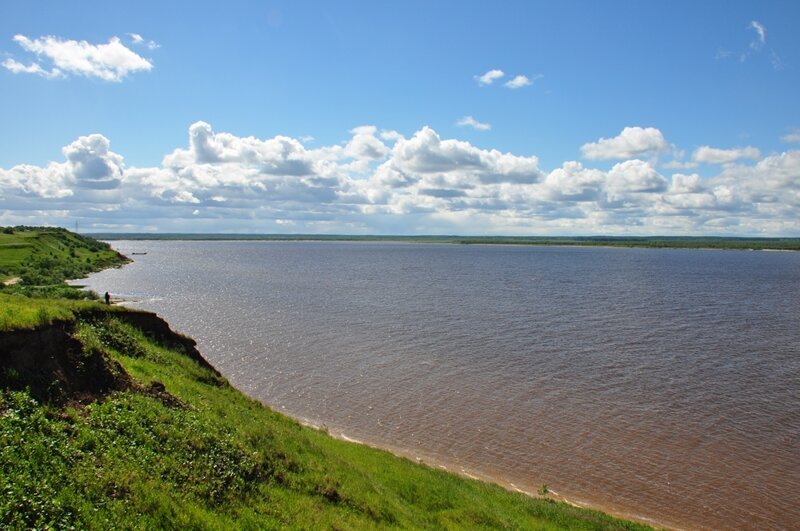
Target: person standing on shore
x: 107, y: 298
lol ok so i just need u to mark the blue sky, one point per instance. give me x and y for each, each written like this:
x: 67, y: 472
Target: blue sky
x: 630, y: 117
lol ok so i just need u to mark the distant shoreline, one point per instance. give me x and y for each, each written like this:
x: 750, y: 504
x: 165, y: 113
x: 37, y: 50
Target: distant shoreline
x: 650, y: 242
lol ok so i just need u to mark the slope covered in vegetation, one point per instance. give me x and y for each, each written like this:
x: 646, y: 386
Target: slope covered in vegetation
x: 110, y: 419
x: 37, y: 260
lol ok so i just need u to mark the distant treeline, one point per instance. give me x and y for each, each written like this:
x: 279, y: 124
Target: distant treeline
x: 673, y: 242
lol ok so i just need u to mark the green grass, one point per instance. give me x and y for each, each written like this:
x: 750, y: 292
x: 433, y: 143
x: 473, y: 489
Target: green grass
x: 211, y: 458
x: 44, y: 257
x: 18, y: 312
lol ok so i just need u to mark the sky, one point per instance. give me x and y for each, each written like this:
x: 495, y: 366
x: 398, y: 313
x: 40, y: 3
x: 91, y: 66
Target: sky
x: 415, y: 117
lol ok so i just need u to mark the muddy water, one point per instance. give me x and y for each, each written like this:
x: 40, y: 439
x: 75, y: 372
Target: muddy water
x: 657, y: 384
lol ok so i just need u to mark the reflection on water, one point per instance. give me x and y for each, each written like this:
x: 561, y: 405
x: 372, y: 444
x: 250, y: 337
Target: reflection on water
x: 653, y: 383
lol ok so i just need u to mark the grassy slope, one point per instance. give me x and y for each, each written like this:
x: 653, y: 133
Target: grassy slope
x: 41, y: 258
x: 182, y: 448
x: 47, y: 256
x: 18, y: 312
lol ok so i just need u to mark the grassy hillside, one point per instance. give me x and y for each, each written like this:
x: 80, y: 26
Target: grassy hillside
x: 109, y: 419
x: 18, y: 312
x: 38, y: 259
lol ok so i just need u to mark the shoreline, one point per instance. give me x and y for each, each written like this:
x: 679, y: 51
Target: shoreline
x: 638, y: 242
x: 438, y: 463
x: 433, y: 461
x: 423, y: 458
x: 430, y: 460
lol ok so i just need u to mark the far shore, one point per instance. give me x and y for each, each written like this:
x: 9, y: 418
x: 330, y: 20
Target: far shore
x: 652, y: 242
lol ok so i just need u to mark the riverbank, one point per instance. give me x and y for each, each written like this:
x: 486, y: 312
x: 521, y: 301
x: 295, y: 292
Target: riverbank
x: 107, y: 417
x: 532, y: 491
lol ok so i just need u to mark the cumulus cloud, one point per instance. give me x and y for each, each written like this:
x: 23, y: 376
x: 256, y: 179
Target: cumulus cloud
x: 490, y: 77
x: 631, y: 142
x: 518, y: 82
x: 685, y: 184
x: 709, y: 155
x: 469, y: 121
x: 112, y: 61
x: 276, y: 156
x: 634, y: 177
x: 574, y: 182
x: 90, y: 165
x: 365, y: 145
x: 49, y: 182
x: 423, y: 183
x: 427, y: 153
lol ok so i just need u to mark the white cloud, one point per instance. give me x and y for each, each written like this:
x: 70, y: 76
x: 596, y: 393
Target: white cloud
x: 276, y: 156
x: 761, y: 34
x: 364, y: 144
x: 677, y: 164
x: 574, y: 182
x: 756, y: 46
x: 791, y: 137
x: 631, y: 142
x: 685, y: 184
x: 390, y: 135
x: 469, y: 121
x: 49, y: 182
x: 779, y: 172
x: 709, y: 155
x: 33, y: 68
x: 634, y: 177
x: 518, y: 82
x: 112, y: 61
x: 772, y: 183
x: 138, y: 39
x: 220, y: 182
x: 490, y: 77
x: 90, y: 166
x: 427, y: 153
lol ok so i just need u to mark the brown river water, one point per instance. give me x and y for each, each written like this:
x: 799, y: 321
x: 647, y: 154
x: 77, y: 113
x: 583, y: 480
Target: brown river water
x: 660, y: 385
